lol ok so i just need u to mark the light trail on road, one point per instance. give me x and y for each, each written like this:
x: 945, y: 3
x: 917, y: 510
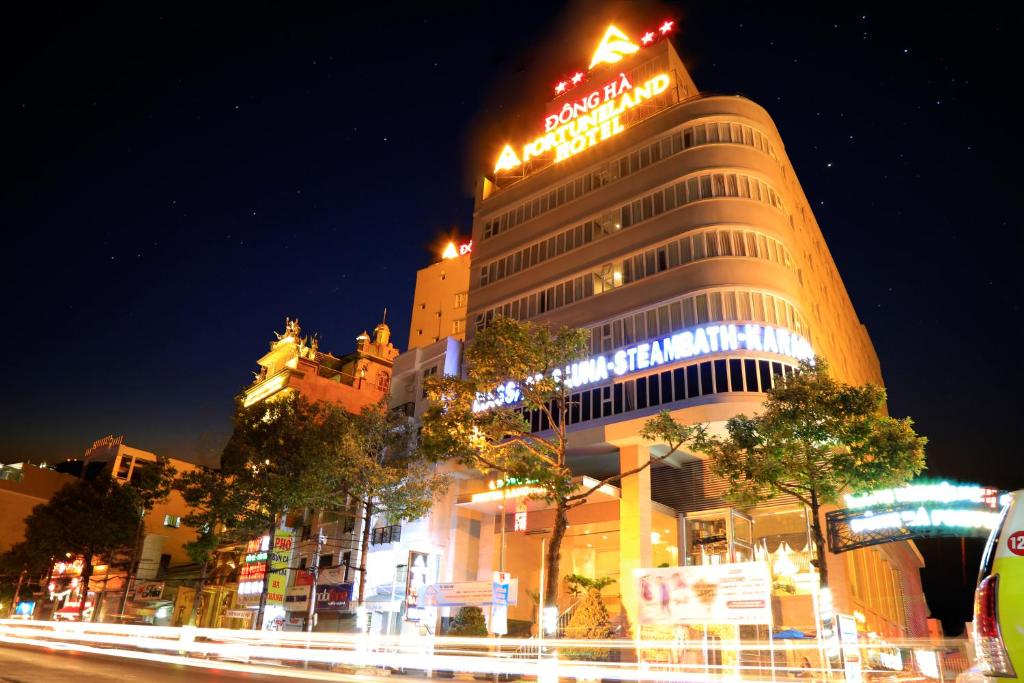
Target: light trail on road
x: 366, y: 657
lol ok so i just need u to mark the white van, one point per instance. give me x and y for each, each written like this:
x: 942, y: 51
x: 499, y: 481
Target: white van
x: 999, y: 598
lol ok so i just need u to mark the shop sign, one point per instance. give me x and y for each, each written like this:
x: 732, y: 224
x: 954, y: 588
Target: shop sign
x: 466, y: 594
x: 149, y: 590
x: 731, y: 593
x: 296, y: 598
x: 852, y: 664
x: 918, y: 510
x: 336, y: 597
x: 253, y: 570
x: 929, y: 493
x: 452, y: 251
x: 685, y: 344
x: 239, y: 614
x: 25, y: 609
x: 329, y: 575
x: 421, y: 573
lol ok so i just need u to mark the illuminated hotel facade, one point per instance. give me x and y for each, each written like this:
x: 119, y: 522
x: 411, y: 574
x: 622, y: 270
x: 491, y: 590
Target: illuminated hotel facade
x: 646, y: 212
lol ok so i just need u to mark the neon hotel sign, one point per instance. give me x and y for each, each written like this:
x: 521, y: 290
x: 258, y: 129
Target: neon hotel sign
x: 691, y: 343
x: 595, y: 117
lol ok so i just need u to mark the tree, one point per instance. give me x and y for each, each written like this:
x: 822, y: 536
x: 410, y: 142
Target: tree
x: 385, y: 473
x: 216, y: 512
x: 815, y: 439
x: 282, y: 456
x: 590, y: 621
x: 91, y: 519
x: 468, y: 621
x: 19, y: 567
x: 514, y: 369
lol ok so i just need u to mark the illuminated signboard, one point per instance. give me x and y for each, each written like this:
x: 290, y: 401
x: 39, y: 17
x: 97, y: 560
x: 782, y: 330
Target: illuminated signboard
x: 588, y: 120
x: 691, y: 343
x: 455, y: 251
x: 584, y: 123
x: 920, y: 510
x: 254, y: 568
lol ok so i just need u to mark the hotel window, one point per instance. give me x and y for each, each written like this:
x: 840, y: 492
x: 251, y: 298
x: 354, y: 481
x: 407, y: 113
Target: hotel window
x: 703, y: 187
x: 596, y: 178
x: 678, y: 384
x: 460, y: 300
x: 173, y: 521
x: 458, y: 326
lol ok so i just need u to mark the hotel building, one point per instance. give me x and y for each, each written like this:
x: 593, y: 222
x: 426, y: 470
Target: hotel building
x: 644, y: 209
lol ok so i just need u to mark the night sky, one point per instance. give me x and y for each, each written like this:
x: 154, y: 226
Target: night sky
x: 178, y: 181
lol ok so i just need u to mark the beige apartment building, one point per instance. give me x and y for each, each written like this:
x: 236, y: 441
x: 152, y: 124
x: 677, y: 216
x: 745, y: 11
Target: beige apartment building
x: 441, y: 297
x: 672, y: 224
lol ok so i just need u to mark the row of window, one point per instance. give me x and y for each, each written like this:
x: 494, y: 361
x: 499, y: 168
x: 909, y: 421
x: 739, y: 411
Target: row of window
x: 634, y: 267
x: 386, y: 534
x: 670, y: 386
x: 691, y: 136
x: 695, y: 188
x: 707, y: 244
x: 729, y: 305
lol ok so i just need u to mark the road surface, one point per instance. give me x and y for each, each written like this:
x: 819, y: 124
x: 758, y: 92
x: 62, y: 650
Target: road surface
x: 36, y: 665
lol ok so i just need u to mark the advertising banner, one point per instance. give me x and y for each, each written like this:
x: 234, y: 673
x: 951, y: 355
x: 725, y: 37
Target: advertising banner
x: 468, y: 593
x: 737, y: 593
x: 280, y: 559
x: 335, y: 597
x: 421, y: 573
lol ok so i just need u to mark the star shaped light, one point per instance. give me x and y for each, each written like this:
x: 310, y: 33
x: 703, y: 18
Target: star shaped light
x: 576, y: 78
x: 666, y: 27
x: 647, y: 38
x: 560, y: 88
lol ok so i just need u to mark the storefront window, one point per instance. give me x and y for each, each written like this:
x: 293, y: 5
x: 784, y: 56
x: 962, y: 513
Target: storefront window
x: 718, y: 537
x: 781, y: 538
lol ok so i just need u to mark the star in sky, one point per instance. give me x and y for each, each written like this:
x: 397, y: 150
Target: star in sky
x: 666, y: 27
x: 647, y: 38
x: 576, y: 78
x: 560, y: 88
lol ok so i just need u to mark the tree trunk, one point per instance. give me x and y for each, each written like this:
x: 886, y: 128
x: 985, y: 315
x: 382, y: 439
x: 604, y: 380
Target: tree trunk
x: 86, y: 575
x: 364, y: 549
x: 554, y: 554
x: 819, y: 541
x: 200, y: 582
x: 258, y: 624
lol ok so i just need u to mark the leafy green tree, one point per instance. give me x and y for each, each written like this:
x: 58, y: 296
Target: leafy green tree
x: 281, y: 457
x: 468, y: 621
x: 515, y: 367
x: 216, y: 512
x: 383, y: 470
x: 815, y: 439
x: 579, y: 584
x: 91, y: 519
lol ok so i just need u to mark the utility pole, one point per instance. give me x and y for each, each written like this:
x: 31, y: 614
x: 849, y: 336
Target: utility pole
x: 315, y: 571
x: 17, y: 594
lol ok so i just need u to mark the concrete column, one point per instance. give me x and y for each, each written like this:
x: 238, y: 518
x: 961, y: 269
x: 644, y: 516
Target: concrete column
x: 487, y: 541
x: 634, y: 525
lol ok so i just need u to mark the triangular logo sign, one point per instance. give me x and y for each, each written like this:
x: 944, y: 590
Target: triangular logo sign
x: 507, y: 160
x: 614, y: 46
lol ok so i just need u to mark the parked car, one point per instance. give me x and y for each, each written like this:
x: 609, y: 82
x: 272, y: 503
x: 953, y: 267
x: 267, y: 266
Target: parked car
x: 999, y: 598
